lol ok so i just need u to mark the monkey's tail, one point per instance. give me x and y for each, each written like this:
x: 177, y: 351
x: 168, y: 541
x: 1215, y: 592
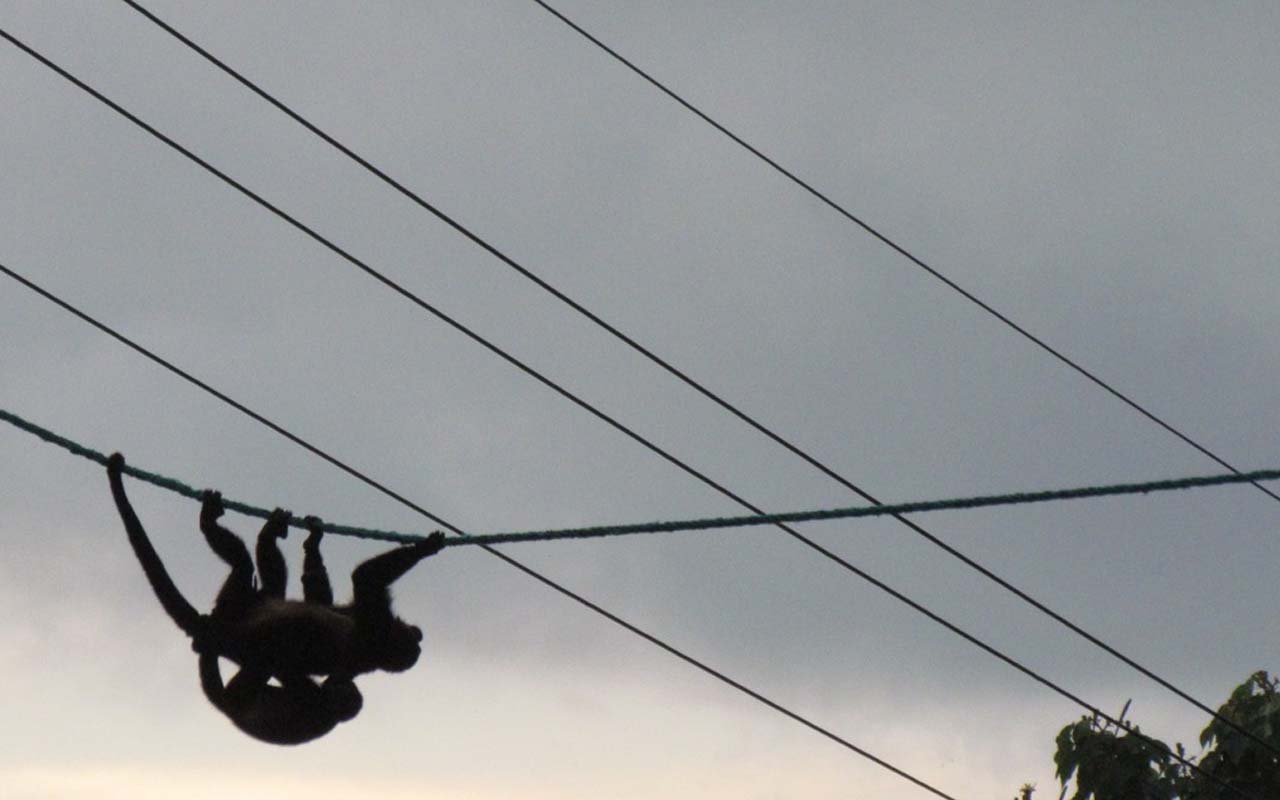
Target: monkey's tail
x: 175, y: 605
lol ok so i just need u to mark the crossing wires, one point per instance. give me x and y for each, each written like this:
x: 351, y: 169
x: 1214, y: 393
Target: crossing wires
x: 896, y: 247
x: 689, y: 381
x: 510, y: 561
x: 342, y: 253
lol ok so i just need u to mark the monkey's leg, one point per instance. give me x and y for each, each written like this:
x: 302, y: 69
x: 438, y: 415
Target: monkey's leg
x: 272, y: 570
x: 211, y: 681
x: 174, y: 604
x: 246, y: 686
x: 240, y: 694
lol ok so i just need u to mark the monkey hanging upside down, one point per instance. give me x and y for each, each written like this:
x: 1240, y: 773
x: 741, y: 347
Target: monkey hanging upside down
x: 290, y: 640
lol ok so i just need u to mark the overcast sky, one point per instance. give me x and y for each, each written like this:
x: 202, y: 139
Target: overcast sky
x: 1105, y: 174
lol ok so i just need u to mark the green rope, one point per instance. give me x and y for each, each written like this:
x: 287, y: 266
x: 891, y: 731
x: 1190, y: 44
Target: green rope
x: 598, y: 531
x: 188, y: 491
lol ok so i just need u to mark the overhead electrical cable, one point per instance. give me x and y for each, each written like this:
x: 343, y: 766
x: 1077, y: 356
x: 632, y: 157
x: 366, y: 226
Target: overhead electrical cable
x: 529, y: 571
x: 664, y: 526
x: 550, y: 384
x: 681, y: 375
x: 840, y: 209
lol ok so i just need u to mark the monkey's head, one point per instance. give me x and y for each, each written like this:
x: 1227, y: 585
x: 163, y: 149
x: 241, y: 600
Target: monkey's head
x: 400, y: 646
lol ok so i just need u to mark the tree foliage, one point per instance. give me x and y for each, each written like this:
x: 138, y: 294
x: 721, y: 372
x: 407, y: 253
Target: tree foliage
x: 1104, y: 761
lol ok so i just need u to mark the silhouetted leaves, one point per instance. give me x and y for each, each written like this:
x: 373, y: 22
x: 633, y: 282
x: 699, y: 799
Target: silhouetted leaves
x: 1111, y: 762
x: 1108, y: 763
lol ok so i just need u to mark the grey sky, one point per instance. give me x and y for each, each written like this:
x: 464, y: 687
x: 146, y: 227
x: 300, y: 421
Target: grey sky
x: 1103, y: 173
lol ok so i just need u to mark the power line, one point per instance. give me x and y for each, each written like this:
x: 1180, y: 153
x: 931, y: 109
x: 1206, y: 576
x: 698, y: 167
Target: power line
x: 689, y: 381
x: 547, y: 382
x: 548, y: 582
x: 669, y: 526
x: 791, y: 176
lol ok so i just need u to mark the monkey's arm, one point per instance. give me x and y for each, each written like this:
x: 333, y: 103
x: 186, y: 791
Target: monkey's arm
x: 175, y: 605
x: 315, y: 578
x: 225, y: 544
x: 371, y: 579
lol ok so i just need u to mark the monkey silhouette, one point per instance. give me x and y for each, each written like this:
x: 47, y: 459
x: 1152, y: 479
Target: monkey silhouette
x: 270, y: 636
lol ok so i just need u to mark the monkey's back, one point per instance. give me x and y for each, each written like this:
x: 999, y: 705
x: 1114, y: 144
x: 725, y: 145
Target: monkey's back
x: 291, y: 637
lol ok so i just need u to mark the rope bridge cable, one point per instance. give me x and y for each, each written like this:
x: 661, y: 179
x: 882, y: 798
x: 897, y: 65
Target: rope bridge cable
x: 895, y: 509
x: 671, y: 526
x: 186, y: 490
